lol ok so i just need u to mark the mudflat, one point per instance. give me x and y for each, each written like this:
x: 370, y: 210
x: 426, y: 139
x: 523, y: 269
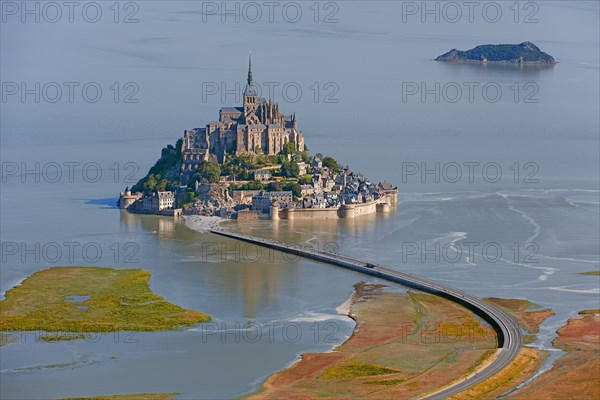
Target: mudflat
x: 404, y: 345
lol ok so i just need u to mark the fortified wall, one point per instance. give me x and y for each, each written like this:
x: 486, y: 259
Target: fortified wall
x: 383, y: 204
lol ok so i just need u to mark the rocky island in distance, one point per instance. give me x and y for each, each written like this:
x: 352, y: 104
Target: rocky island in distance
x: 524, y: 53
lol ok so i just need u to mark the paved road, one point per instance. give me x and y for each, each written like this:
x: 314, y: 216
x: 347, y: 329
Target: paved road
x: 510, y: 339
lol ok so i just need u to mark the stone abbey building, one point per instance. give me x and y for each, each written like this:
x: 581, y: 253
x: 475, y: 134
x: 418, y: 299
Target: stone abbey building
x: 256, y: 127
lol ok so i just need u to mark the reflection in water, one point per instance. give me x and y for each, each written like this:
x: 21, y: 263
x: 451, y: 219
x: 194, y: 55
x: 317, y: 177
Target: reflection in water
x: 319, y: 233
x: 515, y: 69
x: 242, y: 271
x: 165, y: 227
x: 259, y: 271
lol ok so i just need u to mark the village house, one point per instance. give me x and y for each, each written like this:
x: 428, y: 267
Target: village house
x: 262, y: 175
x: 263, y: 200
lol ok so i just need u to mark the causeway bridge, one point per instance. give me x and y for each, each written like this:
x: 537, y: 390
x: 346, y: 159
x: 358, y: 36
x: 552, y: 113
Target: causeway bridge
x: 509, y: 336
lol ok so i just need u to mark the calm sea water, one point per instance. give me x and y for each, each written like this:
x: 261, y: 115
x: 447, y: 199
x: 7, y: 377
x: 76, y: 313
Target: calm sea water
x: 499, y: 193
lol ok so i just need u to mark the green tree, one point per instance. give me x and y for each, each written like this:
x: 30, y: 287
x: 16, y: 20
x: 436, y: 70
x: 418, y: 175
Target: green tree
x: 210, y: 172
x: 253, y: 185
x: 207, y: 172
x: 162, y: 185
x: 149, y: 184
x: 330, y: 163
x: 294, y: 187
x: 261, y: 160
x: 289, y: 148
x: 290, y: 169
x: 169, y: 157
x: 186, y: 199
x: 273, y: 187
x: 305, y: 179
x: 240, y: 166
x: 306, y: 157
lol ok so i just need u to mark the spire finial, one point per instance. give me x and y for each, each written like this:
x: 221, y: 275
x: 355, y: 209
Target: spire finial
x: 250, y: 69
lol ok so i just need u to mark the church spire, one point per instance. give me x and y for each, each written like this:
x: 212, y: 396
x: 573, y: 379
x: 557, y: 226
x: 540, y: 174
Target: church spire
x: 250, y: 90
x: 250, y: 69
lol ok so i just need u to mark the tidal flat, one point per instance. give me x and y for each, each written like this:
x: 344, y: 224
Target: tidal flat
x: 529, y: 316
x: 404, y: 344
x: 91, y: 299
x: 574, y: 372
x: 408, y: 344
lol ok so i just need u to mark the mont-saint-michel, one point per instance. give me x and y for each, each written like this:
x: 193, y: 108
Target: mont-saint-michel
x: 253, y: 164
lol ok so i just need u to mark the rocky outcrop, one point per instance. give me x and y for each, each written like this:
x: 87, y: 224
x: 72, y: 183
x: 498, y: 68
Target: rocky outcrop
x: 212, y: 198
x: 524, y: 53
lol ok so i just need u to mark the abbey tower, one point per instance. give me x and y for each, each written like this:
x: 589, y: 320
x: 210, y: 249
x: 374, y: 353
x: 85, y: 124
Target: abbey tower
x: 256, y: 127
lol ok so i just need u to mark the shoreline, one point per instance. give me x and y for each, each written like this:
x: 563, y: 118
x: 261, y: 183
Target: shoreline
x: 505, y: 331
x: 312, y: 375
x: 376, y: 356
x: 576, y: 371
x: 515, y: 63
x: 202, y: 223
x: 342, y: 309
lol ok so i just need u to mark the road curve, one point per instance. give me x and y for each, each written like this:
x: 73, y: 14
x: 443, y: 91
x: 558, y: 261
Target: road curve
x: 510, y: 338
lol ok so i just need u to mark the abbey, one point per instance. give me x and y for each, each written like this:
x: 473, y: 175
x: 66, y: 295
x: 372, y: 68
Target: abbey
x: 256, y: 127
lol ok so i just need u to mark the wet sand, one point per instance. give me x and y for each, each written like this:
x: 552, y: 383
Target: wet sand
x: 202, y: 223
x: 404, y: 344
x: 576, y: 374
